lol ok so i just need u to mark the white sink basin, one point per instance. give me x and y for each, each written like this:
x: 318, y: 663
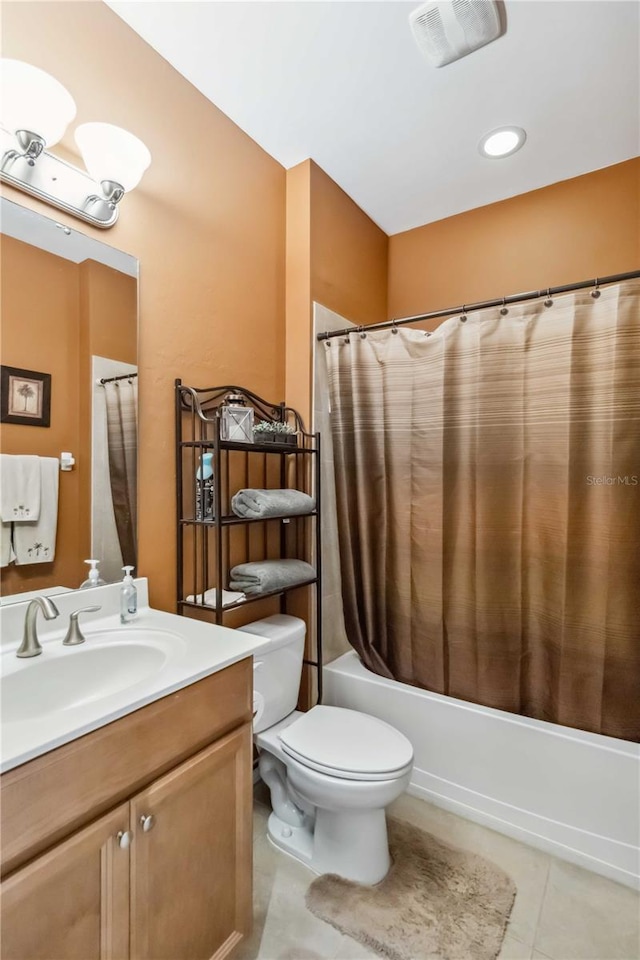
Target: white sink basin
x: 65, y: 678
x: 67, y: 692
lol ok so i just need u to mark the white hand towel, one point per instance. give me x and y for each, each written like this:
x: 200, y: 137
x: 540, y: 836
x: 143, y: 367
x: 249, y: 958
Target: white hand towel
x: 228, y: 596
x: 7, y: 555
x: 36, y: 542
x: 20, y: 488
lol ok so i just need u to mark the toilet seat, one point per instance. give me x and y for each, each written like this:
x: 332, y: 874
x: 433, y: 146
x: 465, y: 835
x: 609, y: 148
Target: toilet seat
x: 347, y: 744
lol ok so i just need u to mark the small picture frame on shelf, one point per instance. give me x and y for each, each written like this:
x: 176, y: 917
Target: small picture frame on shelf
x: 25, y: 397
x: 236, y: 420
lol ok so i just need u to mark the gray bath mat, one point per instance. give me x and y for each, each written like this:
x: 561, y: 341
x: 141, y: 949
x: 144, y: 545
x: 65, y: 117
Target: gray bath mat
x: 436, y: 903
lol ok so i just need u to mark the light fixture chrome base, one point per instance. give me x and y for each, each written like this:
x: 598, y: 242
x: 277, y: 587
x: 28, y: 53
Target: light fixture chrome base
x: 31, y: 145
x: 112, y: 190
x: 48, y: 178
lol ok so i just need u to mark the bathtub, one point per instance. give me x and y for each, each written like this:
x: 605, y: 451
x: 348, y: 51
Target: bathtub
x: 573, y: 794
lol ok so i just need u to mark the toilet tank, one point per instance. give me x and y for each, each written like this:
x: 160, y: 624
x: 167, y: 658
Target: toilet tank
x: 277, y: 668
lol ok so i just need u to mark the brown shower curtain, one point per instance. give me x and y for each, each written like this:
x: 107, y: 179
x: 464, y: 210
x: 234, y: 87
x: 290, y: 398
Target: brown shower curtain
x: 122, y: 442
x: 488, y: 490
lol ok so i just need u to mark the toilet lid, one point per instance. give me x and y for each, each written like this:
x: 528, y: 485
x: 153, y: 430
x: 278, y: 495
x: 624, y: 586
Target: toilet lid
x: 348, y: 744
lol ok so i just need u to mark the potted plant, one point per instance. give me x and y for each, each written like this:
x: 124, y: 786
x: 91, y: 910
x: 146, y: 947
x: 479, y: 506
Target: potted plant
x: 274, y: 431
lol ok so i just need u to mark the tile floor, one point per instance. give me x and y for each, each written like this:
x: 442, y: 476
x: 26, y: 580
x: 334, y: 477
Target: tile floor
x: 561, y: 912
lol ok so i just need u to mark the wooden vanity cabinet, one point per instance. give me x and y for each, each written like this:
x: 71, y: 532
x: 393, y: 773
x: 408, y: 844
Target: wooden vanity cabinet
x: 72, y: 902
x: 191, y: 856
x: 165, y: 875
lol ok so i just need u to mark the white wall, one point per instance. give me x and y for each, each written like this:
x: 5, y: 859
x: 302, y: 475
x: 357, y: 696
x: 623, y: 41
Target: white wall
x: 104, y: 536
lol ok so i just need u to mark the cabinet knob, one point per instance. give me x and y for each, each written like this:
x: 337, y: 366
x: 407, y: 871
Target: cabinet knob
x: 124, y: 839
x: 147, y: 822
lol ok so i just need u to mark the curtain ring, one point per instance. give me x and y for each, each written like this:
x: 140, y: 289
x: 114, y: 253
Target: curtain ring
x: 503, y: 310
x: 363, y: 336
x: 463, y: 316
x: 327, y: 343
x: 548, y: 302
x: 394, y: 327
x: 595, y: 293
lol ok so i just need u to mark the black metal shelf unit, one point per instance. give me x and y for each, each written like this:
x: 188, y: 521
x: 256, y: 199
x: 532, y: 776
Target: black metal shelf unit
x: 207, y: 548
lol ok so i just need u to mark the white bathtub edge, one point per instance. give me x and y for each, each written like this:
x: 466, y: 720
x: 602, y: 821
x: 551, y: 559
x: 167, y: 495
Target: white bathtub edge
x: 518, y: 832
x: 572, y: 794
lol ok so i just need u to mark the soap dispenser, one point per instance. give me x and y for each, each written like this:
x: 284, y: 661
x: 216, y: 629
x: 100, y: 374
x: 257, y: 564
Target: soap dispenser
x: 94, y: 579
x: 128, y: 597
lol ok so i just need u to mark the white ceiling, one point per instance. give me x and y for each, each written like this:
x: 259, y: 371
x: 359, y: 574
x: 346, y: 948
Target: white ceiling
x: 345, y: 84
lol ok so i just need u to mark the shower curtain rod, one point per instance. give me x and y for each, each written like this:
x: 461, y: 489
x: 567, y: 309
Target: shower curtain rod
x: 123, y: 376
x: 486, y: 304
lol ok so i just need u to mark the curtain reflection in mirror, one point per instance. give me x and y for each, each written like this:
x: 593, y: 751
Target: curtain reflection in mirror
x: 122, y: 441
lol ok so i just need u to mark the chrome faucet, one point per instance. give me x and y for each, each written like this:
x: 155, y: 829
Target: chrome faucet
x: 30, y: 646
x: 74, y: 633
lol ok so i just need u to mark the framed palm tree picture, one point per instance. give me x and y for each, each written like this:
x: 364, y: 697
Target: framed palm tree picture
x: 25, y: 397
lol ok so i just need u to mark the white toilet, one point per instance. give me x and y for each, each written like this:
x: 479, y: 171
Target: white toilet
x: 331, y: 771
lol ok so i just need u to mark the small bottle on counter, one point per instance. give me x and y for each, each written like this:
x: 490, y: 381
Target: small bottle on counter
x: 128, y: 597
x: 94, y: 579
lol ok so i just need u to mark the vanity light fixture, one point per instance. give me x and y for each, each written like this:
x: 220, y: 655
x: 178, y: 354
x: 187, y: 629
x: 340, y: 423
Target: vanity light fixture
x: 113, y: 156
x: 502, y: 142
x: 35, y: 111
x: 35, y: 107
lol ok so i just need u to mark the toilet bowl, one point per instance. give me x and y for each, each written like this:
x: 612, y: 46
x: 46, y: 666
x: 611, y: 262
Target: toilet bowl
x: 331, y: 771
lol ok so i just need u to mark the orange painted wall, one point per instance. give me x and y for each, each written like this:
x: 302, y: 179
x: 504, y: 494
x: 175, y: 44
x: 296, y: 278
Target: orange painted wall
x: 336, y: 256
x: 348, y: 254
x: 110, y: 311
x: 55, y: 315
x: 40, y: 331
x: 207, y: 224
x: 298, y: 290
x: 569, y: 231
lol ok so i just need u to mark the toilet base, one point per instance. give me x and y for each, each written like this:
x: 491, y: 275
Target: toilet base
x: 353, y: 844
x: 350, y: 844
x: 296, y: 841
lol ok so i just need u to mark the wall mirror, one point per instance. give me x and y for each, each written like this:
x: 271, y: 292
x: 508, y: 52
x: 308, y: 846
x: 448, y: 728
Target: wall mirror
x: 69, y: 337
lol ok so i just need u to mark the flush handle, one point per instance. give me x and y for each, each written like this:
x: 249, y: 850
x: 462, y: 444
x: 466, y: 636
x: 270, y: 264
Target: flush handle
x: 147, y: 822
x: 124, y: 839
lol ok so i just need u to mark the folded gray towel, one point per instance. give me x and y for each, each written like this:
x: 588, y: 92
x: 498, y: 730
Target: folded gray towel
x: 265, y: 575
x: 271, y: 503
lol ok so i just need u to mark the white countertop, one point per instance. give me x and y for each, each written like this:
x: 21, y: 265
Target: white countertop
x: 190, y: 650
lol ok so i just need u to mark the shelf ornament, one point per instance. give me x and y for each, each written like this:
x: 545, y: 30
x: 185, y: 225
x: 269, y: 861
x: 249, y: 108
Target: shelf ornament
x: 236, y: 419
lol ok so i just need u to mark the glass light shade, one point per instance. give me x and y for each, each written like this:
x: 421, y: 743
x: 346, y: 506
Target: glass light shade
x: 502, y: 142
x: 111, y: 153
x: 32, y: 100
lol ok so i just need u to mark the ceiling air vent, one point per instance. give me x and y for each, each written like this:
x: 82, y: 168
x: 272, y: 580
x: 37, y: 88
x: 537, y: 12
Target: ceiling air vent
x: 447, y: 31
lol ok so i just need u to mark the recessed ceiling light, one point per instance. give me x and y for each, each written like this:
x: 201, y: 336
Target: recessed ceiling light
x: 502, y: 142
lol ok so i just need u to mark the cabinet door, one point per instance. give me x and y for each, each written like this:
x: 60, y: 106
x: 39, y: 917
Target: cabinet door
x: 191, y: 866
x: 72, y: 902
